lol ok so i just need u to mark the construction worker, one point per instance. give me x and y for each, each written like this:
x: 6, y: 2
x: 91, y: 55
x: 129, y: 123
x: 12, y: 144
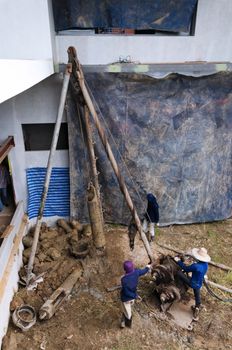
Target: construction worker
x: 151, y: 217
x: 4, y: 181
x: 198, y: 270
x: 129, y: 283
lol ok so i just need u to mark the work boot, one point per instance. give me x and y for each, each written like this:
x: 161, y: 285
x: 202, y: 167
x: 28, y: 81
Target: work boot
x: 128, y: 322
x: 123, y: 324
x: 196, y: 311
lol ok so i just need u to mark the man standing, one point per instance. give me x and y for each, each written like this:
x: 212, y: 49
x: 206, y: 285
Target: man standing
x: 151, y: 217
x: 129, y: 283
x: 198, y: 270
x: 4, y: 181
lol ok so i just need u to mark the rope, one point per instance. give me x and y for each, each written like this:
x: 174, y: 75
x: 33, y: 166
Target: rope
x: 229, y: 300
x: 121, y: 157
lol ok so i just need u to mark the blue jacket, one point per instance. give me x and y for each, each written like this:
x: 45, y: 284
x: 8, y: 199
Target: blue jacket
x: 152, y: 213
x: 129, y: 284
x: 198, y: 270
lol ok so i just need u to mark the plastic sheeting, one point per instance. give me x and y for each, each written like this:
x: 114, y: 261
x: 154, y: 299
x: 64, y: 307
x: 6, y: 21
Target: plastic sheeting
x: 57, y: 202
x: 162, y: 15
x: 174, y: 135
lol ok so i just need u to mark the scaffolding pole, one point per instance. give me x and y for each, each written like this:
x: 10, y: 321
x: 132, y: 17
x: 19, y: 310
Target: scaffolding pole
x: 49, y: 169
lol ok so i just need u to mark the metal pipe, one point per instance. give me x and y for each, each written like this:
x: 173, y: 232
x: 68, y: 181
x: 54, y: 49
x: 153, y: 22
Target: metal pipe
x: 49, y: 169
x: 122, y: 185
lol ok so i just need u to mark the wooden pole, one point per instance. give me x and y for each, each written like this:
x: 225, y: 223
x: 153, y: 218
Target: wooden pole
x: 49, y: 169
x: 220, y: 266
x: 92, y: 158
x: 79, y: 75
x: 219, y: 286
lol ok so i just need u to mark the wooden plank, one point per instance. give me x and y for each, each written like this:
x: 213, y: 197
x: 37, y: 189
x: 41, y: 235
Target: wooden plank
x: 17, y: 241
x: 219, y: 286
x: 6, y: 147
x: 220, y: 266
x: 7, y: 231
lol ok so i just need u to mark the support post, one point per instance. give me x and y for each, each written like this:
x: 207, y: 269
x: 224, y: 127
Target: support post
x: 77, y: 71
x: 92, y: 158
x: 49, y: 169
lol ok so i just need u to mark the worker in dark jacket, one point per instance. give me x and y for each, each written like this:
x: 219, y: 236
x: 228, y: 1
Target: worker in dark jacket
x: 151, y: 217
x: 129, y: 283
x: 198, y: 270
x: 4, y: 181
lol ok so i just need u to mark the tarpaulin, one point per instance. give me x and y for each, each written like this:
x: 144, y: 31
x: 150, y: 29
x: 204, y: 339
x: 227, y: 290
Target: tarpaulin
x: 170, y: 137
x: 162, y: 15
x: 57, y: 202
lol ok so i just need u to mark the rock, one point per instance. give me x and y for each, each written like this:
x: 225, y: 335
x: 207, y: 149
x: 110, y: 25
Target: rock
x: 27, y: 253
x: 49, y: 234
x: 10, y: 342
x: 53, y: 253
x: 46, y: 244
x: 44, y: 227
x: 41, y: 256
x: 17, y: 301
x: 77, y: 225
x: 27, y: 241
x: 87, y: 231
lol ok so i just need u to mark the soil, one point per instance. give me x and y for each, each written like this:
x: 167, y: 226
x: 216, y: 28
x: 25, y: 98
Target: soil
x: 90, y: 316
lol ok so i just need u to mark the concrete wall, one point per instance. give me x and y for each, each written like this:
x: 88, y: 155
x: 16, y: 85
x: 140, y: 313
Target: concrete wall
x: 212, y: 41
x: 26, y: 50
x: 36, y: 105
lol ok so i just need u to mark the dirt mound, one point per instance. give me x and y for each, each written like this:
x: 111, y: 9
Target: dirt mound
x: 89, y: 318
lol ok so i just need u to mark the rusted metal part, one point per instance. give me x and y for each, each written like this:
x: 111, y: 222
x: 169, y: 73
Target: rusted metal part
x: 92, y: 158
x: 59, y: 296
x: 6, y: 147
x: 95, y: 215
x: 78, y: 73
x: 49, y: 169
x: 24, y: 317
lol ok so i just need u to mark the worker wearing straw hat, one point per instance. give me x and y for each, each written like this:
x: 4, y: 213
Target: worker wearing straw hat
x: 198, y: 270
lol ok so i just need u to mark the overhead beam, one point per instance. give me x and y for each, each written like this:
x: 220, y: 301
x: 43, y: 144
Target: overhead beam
x: 6, y: 147
x: 160, y: 70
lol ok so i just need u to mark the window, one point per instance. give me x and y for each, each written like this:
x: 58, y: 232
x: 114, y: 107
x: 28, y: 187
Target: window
x: 38, y: 137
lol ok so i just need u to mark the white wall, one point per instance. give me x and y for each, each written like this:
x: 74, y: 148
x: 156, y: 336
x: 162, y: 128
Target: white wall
x: 212, y: 41
x: 36, y: 105
x: 26, y: 51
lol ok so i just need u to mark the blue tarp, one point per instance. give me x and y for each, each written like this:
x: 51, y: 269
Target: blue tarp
x: 174, y: 136
x: 162, y: 15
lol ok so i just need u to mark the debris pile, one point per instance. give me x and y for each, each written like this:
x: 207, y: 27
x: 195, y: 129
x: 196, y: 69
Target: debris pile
x: 58, y: 265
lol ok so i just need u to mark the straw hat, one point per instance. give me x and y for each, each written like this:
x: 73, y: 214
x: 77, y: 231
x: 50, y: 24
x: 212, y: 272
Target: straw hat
x: 201, y: 254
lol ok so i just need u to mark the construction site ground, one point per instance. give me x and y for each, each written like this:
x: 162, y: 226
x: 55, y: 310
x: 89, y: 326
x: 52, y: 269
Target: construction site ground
x: 90, y: 317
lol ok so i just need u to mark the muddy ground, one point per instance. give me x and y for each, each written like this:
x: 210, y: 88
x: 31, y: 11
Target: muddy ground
x: 89, y: 318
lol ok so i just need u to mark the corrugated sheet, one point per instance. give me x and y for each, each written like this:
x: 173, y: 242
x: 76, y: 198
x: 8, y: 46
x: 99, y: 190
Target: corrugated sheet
x: 58, y: 199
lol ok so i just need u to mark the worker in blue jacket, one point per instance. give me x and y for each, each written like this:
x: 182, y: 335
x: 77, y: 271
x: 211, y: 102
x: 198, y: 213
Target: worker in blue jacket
x: 129, y: 283
x: 151, y: 217
x: 198, y: 270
